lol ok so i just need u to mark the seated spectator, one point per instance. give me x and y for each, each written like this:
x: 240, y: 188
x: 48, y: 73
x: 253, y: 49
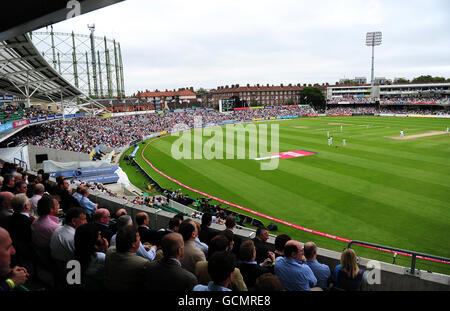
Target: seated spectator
x: 347, y: 274
x: 20, y: 186
x: 173, y: 226
x: 280, y: 241
x: 101, y: 221
x: 90, y: 250
x: 6, y: 210
x: 221, y: 267
x: 38, y: 192
x: 268, y: 282
x: 145, y: 251
x: 62, y: 243
x: 124, y: 270
x: 166, y: 274
x: 248, y: 266
x: 8, y: 183
x: 88, y: 205
x: 321, y: 271
x: 292, y: 272
x: 113, y: 222
x: 77, y: 195
x: 20, y: 224
x: 261, y: 245
x: 192, y: 254
x: 219, y: 244
x: 207, y: 233
x: 10, y: 279
x: 47, y: 222
x: 64, y: 192
x: 230, y: 225
x: 147, y: 235
x: 200, y: 244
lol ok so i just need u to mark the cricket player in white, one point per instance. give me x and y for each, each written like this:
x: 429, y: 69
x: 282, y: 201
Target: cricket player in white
x: 401, y: 133
x: 344, y: 143
x: 447, y: 129
x: 329, y: 141
x: 341, y: 128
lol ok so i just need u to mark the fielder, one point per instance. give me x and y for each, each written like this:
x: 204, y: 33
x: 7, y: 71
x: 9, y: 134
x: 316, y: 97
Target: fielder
x: 329, y: 141
x: 447, y: 129
x: 401, y: 134
x: 344, y: 143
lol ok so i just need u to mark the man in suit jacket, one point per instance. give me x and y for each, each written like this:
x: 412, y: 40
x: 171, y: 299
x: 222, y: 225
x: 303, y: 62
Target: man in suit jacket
x: 248, y: 266
x: 147, y: 235
x: 230, y: 224
x: 206, y: 232
x: 101, y: 221
x: 20, y: 224
x: 124, y: 270
x: 167, y: 274
x: 192, y: 254
x: 262, y: 248
x: 6, y: 210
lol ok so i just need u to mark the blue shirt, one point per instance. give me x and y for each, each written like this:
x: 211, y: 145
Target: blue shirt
x: 321, y: 272
x: 210, y: 288
x: 88, y: 206
x: 294, y: 275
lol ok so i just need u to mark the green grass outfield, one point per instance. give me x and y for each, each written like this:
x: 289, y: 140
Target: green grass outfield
x: 388, y: 192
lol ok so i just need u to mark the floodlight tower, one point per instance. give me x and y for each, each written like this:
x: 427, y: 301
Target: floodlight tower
x: 373, y: 39
x: 94, y: 63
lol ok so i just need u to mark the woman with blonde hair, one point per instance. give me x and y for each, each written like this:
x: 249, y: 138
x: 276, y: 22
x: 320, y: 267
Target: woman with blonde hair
x: 347, y: 274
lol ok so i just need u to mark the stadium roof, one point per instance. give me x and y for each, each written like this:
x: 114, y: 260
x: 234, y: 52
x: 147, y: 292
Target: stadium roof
x: 23, y: 16
x: 24, y: 71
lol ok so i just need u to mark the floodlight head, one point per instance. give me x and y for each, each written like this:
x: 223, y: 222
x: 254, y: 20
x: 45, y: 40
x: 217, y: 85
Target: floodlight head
x: 91, y: 27
x: 373, y: 38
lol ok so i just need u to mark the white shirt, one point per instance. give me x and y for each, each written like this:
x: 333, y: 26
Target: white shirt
x: 62, y: 243
x: 34, y: 202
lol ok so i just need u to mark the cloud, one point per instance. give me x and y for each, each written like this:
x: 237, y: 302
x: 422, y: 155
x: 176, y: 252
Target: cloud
x: 199, y: 43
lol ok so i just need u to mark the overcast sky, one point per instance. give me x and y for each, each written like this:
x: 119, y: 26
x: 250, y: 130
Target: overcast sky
x: 168, y: 44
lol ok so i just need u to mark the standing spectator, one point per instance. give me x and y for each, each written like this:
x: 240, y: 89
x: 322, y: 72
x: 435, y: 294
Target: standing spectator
x: 124, y: 270
x: 166, y: 274
x: 347, y: 274
x: 9, y: 278
x: 47, y: 184
x: 221, y: 267
x: 292, y: 272
x: 192, y: 254
x: 321, y: 271
x: 47, y: 222
x: 38, y: 192
x: 62, y: 241
x: 6, y: 210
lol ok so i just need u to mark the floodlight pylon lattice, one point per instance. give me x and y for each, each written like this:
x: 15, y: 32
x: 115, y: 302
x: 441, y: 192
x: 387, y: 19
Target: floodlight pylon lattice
x: 373, y: 39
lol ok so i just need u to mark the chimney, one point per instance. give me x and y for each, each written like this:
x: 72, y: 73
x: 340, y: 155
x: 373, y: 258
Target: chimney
x: 267, y: 84
x: 248, y: 85
x: 281, y: 84
x: 237, y: 85
x: 257, y: 85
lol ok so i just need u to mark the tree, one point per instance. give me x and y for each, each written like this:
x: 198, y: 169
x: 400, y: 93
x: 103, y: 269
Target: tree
x: 201, y: 91
x: 312, y: 96
x: 254, y: 103
x: 401, y: 80
x: 428, y: 79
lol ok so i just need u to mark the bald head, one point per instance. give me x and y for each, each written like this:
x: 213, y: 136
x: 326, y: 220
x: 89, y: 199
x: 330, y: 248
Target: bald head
x: 39, y: 189
x: 121, y: 212
x: 172, y: 245
x: 310, y: 250
x: 5, y: 199
x: 102, y: 216
x: 6, y: 251
x: 293, y: 249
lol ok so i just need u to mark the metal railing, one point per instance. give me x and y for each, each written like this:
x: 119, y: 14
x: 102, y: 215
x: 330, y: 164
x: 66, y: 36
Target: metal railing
x: 414, y: 255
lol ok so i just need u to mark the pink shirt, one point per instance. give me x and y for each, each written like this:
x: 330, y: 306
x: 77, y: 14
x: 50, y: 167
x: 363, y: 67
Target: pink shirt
x: 42, y: 230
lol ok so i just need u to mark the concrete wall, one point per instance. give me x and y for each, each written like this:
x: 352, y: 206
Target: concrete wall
x: 55, y: 155
x: 392, y: 277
